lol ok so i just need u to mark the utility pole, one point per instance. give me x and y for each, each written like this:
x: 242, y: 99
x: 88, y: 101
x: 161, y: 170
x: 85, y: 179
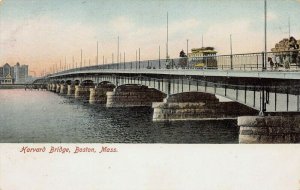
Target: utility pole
x: 187, y: 47
x: 118, y: 60
x: 202, y: 40
x: 81, y: 58
x: 167, y: 51
x: 159, y: 57
x: 139, y: 58
x: 97, y: 54
x: 265, y: 58
x: 289, y: 28
x: 262, y: 100
x: 231, y: 64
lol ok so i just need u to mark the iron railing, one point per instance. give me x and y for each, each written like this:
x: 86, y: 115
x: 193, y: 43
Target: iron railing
x: 277, y: 61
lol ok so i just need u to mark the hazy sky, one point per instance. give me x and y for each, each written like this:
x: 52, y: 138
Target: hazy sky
x: 40, y: 33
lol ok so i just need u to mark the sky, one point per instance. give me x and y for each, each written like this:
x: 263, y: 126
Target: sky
x: 43, y: 33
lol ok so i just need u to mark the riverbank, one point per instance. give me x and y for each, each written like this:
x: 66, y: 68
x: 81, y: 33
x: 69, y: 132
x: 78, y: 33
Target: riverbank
x: 12, y: 86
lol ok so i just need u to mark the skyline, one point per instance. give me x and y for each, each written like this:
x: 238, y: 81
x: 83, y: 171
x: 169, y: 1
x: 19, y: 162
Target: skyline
x: 41, y: 34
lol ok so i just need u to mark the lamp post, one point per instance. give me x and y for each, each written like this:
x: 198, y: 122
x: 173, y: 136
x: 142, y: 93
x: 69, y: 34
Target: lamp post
x: 81, y: 58
x: 231, y: 64
x: 265, y: 56
x: 187, y: 52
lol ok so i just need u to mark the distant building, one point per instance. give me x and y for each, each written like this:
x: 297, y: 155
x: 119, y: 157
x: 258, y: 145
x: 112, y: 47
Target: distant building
x: 17, y: 74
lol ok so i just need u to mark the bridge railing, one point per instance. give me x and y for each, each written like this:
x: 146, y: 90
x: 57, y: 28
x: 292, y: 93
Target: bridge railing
x: 284, y: 60
x: 266, y: 98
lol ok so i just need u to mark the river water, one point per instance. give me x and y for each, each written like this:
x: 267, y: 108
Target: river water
x: 46, y: 117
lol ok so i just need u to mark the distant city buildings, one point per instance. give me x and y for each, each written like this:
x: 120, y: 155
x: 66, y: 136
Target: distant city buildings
x: 17, y: 74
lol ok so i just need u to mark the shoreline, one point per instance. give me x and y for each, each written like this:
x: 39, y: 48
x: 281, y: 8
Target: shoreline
x: 12, y: 86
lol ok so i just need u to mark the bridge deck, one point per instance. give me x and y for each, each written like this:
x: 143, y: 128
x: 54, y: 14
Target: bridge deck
x: 190, y: 72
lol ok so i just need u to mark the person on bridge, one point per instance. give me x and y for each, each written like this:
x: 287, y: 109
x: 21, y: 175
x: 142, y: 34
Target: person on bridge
x: 286, y: 62
x: 271, y: 62
x: 294, y: 48
x: 182, y: 54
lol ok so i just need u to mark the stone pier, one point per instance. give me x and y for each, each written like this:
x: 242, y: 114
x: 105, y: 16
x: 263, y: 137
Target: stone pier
x: 133, y: 95
x: 198, y: 106
x: 53, y: 87
x: 98, y: 94
x: 57, y: 88
x: 82, y: 92
x: 49, y: 87
x: 63, y: 89
x: 269, y: 129
x: 71, y: 90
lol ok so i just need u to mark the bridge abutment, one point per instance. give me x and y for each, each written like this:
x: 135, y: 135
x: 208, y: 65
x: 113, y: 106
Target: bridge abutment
x: 197, y: 106
x: 269, y: 129
x: 133, y: 96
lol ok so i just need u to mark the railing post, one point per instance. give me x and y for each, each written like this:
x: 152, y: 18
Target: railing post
x: 124, y: 62
x: 159, y: 66
x: 263, y: 61
x: 231, y: 64
x: 257, y: 62
x: 172, y: 64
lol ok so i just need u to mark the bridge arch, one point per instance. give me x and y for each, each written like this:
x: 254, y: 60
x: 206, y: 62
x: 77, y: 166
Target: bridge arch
x: 87, y: 83
x: 68, y: 82
x: 76, y: 82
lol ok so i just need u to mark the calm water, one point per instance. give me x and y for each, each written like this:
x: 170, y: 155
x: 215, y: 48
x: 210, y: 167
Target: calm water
x: 45, y: 117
